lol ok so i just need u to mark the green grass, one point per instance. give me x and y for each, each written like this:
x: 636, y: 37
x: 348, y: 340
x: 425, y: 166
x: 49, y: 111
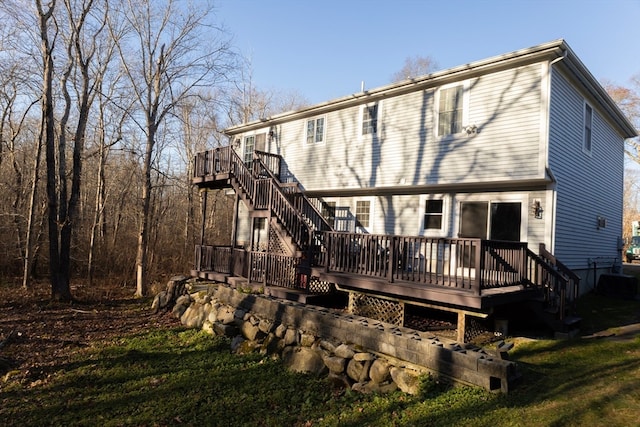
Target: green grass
x: 185, y: 377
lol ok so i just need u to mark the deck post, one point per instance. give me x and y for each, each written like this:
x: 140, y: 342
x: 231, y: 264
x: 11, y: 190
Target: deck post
x: 392, y: 258
x: 203, y: 204
x: 461, y: 329
x: 328, y: 241
x: 479, y: 260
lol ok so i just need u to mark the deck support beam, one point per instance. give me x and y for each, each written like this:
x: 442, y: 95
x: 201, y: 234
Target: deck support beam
x: 461, y: 329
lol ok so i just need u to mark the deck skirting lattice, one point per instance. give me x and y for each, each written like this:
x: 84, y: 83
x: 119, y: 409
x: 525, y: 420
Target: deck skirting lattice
x: 317, y: 286
x: 380, y: 309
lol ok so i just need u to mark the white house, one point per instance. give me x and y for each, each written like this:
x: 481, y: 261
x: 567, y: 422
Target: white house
x: 526, y: 146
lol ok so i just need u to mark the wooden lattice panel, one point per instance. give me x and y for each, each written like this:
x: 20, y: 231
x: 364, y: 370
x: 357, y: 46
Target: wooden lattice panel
x: 474, y: 328
x: 377, y: 308
x: 318, y: 286
x: 276, y: 246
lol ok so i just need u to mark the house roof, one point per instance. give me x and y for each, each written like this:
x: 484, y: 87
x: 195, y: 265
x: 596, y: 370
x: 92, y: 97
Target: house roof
x: 557, y: 50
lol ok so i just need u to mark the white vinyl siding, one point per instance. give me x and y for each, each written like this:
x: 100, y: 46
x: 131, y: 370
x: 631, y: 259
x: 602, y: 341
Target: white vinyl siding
x: 505, y: 107
x: 588, y: 187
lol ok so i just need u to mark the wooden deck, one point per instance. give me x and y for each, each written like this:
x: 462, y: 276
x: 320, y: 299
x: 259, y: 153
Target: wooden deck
x: 471, y: 274
x: 455, y: 274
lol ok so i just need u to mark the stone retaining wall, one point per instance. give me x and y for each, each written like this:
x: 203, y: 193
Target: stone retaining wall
x: 361, y: 353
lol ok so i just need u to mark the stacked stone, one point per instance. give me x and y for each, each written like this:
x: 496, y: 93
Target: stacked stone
x: 300, y: 351
x: 353, y: 351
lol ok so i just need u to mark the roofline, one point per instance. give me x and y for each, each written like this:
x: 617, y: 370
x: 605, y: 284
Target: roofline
x: 546, y: 51
x: 584, y: 76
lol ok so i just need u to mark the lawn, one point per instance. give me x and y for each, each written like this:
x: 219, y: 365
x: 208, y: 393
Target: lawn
x: 162, y: 374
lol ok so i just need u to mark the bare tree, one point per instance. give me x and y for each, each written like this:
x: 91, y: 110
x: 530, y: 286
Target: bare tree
x: 78, y: 32
x: 245, y: 102
x: 414, y: 67
x: 628, y: 99
x: 165, y: 59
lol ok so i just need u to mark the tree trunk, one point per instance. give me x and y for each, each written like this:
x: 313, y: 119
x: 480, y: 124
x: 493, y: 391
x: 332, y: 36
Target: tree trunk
x: 28, y: 250
x: 143, y: 234
x: 60, y: 290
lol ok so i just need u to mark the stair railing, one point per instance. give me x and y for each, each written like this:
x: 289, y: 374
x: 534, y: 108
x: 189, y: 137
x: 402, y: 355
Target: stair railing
x: 554, y: 283
x: 264, y: 193
x: 297, y: 198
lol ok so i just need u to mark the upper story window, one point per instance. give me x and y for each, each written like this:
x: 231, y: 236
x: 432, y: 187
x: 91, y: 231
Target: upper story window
x: 370, y: 119
x: 249, y: 147
x: 315, y: 130
x: 450, y: 110
x: 587, y: 135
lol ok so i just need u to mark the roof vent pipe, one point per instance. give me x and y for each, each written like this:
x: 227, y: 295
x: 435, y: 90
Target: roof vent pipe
x: 362, y: 86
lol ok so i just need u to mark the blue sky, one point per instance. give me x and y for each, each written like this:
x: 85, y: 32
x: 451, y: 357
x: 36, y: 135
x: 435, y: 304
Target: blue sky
x: 325, y: 49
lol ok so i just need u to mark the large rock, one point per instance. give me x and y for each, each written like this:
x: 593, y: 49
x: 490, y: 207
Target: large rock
x: 335, y: 364
x: 159, y: 302
x: 307, y: 339
x: 181, y: 305
x: 225, y: 315
x: 271, y: 345
x: 225, y: 330
x: 175, y: 289
x: 304, y: 359
x: 207, y: 326
x: 344, y: 351
x: 290, y: 337
x: 379, y: 371
x: 357, y: 371
x: 194, y: 316
x: 251, y: 332
x: 407, y: 380
x: 372, y: 387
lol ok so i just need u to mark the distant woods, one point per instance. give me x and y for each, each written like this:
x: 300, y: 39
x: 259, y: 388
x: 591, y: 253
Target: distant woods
x: 103, y: 105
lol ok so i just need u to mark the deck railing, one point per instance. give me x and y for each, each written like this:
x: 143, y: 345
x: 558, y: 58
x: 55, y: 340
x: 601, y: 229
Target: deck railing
x: 213, y: 258
x: 273, y: 269
x: 268, y: 164
x: 464, y: 264
x: 471, y: 265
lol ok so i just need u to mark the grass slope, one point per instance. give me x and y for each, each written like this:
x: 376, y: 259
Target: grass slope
x: 172, y: 376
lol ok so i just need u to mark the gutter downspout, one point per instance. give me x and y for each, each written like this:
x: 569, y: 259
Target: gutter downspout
x: 554, y: 194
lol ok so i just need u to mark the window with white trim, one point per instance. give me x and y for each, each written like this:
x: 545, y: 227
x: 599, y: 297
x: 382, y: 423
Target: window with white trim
x: 587, y: 135
x: 315, y: 130
x: 433, y: 214
x: 370, y: 119
x: 450, y: 110
x: 249, y: 147
x: 363, y: 213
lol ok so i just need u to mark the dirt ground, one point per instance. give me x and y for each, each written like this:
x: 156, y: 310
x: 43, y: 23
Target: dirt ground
x: 38, y: 336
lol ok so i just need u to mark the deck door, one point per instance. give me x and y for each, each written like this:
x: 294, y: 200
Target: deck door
x: 495, y: 220
x: 482, y: 220
x: 251, y: 144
